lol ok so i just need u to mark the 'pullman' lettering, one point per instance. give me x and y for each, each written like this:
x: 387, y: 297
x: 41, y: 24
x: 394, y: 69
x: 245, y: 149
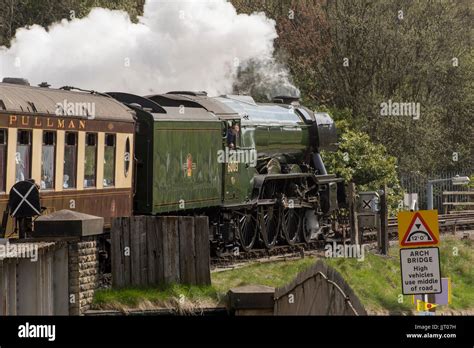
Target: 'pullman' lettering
x: 37, y: 122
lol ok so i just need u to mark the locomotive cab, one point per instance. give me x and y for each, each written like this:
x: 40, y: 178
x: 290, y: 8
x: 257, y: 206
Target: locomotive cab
x: 232, y: 133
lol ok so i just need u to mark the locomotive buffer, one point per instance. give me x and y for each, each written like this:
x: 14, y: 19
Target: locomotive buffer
x: 23, y: 205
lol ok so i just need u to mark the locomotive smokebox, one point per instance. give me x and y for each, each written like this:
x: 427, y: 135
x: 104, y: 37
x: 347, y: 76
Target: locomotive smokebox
x: 323, y: 136
x: 326, y: 132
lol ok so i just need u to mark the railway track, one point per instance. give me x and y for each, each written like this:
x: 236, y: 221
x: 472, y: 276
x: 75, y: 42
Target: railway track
x: 448, y: 223
x: 282, y: 251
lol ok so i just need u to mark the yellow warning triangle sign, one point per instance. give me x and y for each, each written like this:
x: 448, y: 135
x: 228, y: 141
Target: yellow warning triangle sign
x: 418, y: 233
x: 424, y: 306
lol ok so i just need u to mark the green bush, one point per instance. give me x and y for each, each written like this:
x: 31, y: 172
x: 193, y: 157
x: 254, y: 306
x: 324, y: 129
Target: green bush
x: 365, y: 163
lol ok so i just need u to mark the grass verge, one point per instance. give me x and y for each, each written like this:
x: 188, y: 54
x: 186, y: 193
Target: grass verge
x: 376, y: 281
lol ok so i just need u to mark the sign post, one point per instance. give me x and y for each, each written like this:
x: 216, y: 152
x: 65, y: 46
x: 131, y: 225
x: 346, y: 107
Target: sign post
x: 441, y: 299
x: 418, y: 234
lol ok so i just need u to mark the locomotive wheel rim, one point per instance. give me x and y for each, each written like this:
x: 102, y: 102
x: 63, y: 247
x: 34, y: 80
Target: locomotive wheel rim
x: 247, y: 229
x: 268, y: 223
x: 305, y: 232
x: 291, y: 224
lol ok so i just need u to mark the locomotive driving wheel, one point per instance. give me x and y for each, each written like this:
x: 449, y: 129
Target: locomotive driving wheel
x: 268, y: 224
x: 246, y: 224
x: 291, y: 222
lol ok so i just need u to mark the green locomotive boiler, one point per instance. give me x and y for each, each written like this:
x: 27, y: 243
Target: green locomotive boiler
x: 253, y: 168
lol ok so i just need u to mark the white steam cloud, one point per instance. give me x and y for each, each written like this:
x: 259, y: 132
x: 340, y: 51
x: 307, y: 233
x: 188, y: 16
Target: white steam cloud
x: 176, y: 45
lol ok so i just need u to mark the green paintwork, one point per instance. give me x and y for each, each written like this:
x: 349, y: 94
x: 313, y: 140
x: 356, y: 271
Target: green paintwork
x: 272, y: 139
x: 238, y: 185
x: 186, y: 174
x: 268, y: 140
x: 164, y: 182
x: 164, y: 145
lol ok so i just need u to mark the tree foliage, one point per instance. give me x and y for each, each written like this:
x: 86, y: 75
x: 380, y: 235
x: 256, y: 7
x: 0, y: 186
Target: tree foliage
x: 16, y: 14
x: 365, y: 163
x: 357, y: 54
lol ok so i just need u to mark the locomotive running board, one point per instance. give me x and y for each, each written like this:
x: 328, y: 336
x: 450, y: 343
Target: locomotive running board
x: 262, y: 178
x: 318, y: 179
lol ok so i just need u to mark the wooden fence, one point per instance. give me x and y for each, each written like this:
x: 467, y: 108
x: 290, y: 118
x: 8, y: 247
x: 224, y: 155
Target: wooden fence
x: 150, y: 250
x: 34, y: 285
x: 453, y: 200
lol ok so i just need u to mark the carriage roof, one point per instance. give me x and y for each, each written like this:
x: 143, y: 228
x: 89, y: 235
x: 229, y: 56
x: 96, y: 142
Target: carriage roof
x: 44, y: 101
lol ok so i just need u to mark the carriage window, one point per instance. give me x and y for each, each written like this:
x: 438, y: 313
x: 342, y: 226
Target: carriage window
x: 70, y: 160
x: 3, y: 158
x: 23, y: 156
x: 90, y: 163
x: 47, y: 160
x: 127, y: 156
x: 109, y: 160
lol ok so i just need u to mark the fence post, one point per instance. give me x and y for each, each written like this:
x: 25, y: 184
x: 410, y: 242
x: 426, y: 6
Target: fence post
x: 203, y: 268
x: 117, y: 257
x: 384, y: 244
x: 353, y: 214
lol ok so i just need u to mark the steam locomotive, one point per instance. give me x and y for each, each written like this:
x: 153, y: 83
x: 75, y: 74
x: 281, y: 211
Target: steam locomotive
x: 254, y: 169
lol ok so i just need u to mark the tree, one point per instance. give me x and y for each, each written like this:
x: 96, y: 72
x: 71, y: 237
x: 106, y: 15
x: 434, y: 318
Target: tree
x: 357, y: 54
x: 16, y: 14
x: 403, y: 51
x: 365, y: 163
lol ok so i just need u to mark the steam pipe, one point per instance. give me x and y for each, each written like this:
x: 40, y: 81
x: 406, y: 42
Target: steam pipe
x: 319, y: 164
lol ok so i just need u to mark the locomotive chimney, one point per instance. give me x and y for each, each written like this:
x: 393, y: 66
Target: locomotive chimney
x: 285, y: 99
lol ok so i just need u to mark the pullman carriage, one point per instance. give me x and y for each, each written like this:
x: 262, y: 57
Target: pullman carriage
x: 76, y: 146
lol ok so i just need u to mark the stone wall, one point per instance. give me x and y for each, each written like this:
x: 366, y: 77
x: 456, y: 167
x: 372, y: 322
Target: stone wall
x: 83, y: 273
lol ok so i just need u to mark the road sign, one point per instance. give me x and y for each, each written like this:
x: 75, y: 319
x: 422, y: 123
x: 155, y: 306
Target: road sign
x: 421, y: 271
x: 424, y: 306
x: 418, y: 228
x: 441, y: 299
